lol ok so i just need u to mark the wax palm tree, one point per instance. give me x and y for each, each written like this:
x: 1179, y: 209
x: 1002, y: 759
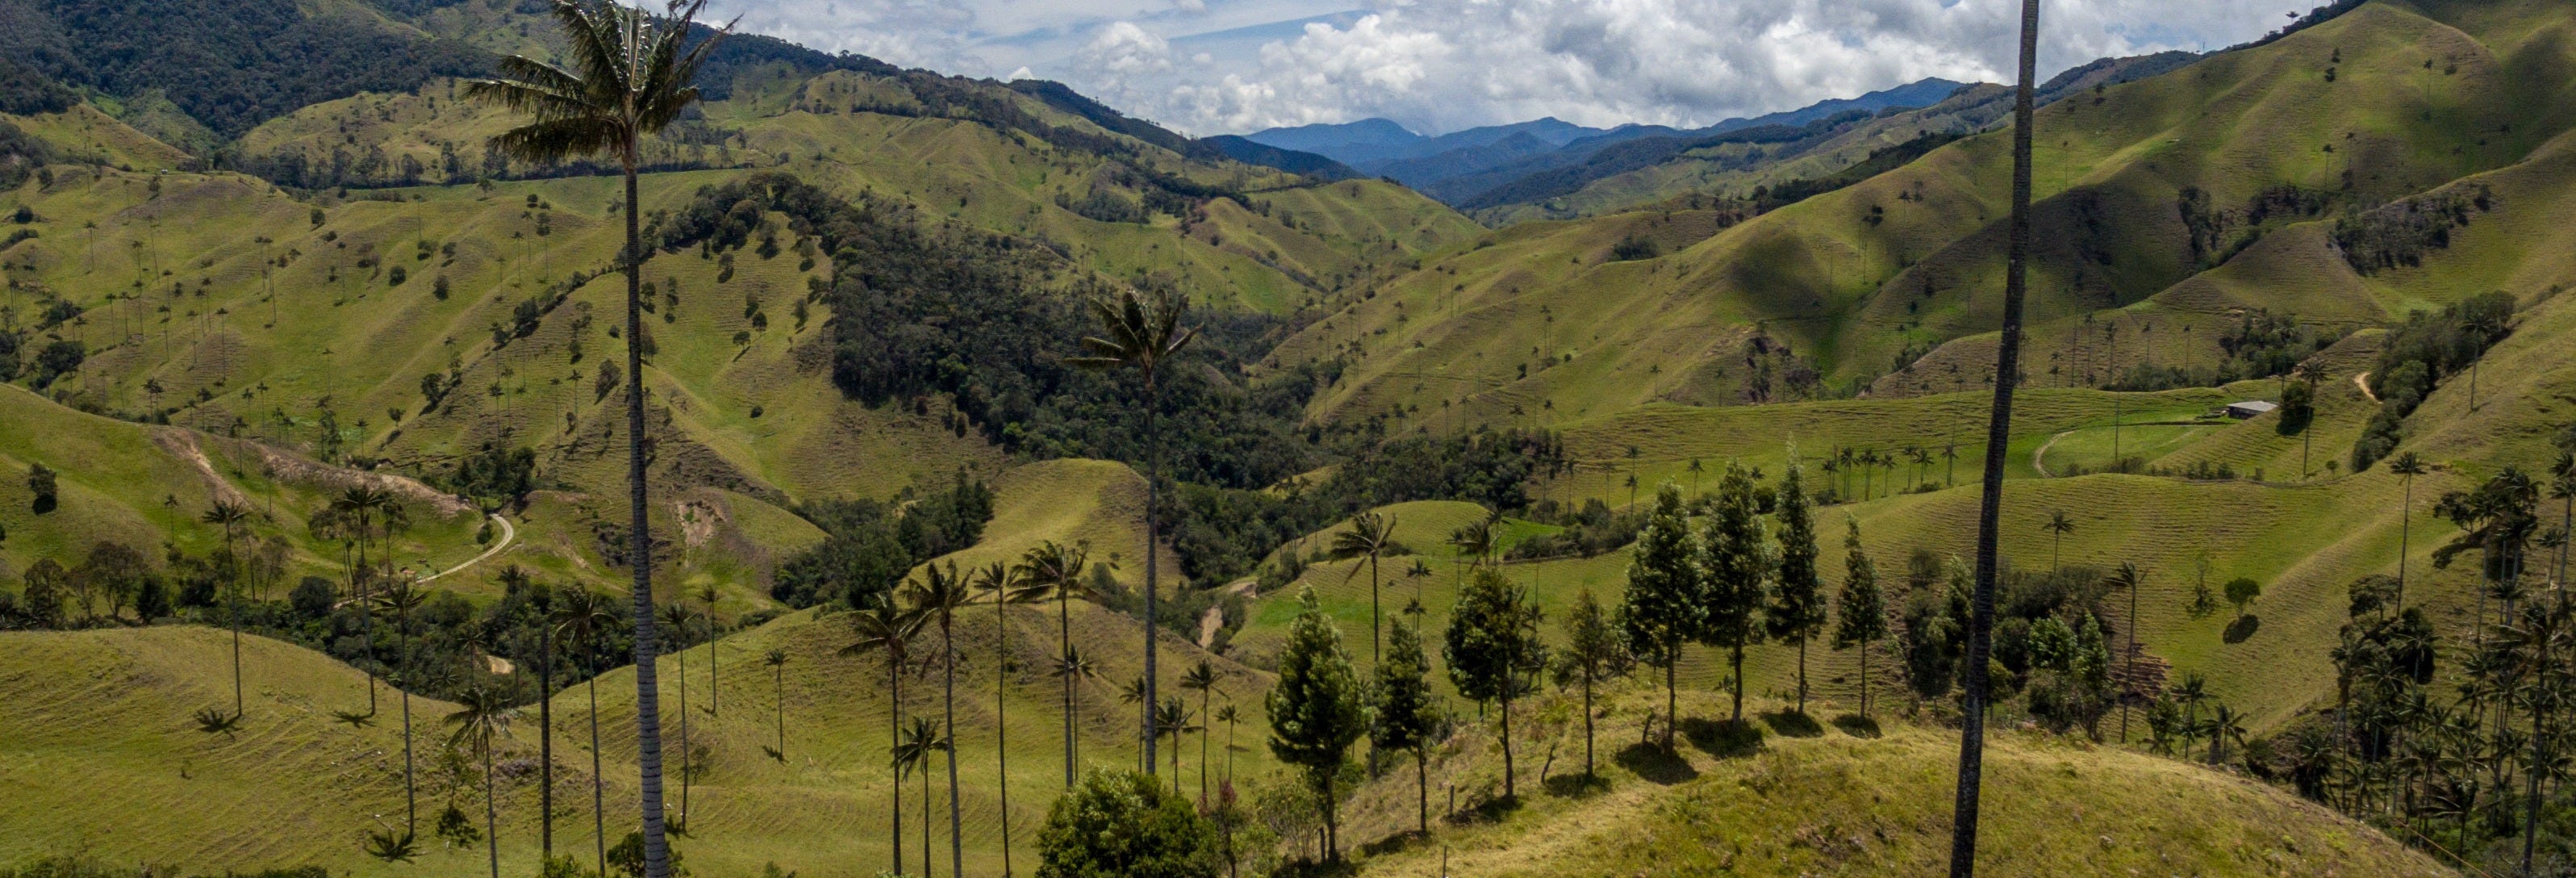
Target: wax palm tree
x: 881, y: 626
x: 1202, y: 679
x: 912, y: 753
x: 2313, y: 372
x: 629, y: 79
x: 707, y: 595
x: 1134, y: 693
x: 2127, y: 578
x: 1370, y: 536
x: 2225, y: 725
x: 1972, y: 732
x: 2409, y: 465
x: 364, y: 502
x: 1229, y: 716
x: 1072, y: 667
x: 1173, y: 720
x: 482, y: 712
x: 938, y: 594
x: 1474, y: 540
x: 683, y: 625
x: 1420, y: 573
x: 232, y: 519
x: 1143, y: 337
x: 2191, y: 692
x: 516, y: 579
x: 1059, y: 568
x: 776, y: 659
x: 585, y: 617
x: 1004, y: 585
x: 2058, y: 527
x: 402, y: 598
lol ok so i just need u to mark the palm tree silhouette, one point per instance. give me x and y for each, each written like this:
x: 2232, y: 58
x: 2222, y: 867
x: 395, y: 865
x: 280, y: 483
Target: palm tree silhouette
x: 912, y: 752
x: 361, y: 502
x: 1371, y: 535
x: 707, y: 593
x: 1142, y: 337
x: 938, y: 594
x: 1173, y: 720
x: 681, y: 623
x: 2312, y: 372
x: 1134, y: 693
x: 583, y: 616
x: 881, y: 626
x: 1072, y: 667
x: 776, y: 659
x: 1005, y: 585
x: 1972, y: 726
x: 482, y: 712
x: 403, y: 598
x: 629, y: 79
x: 2129, y: 579
x: 2409, y: 465
x: 517, y: 579
x: 1202, y: 679
x: 2058, y: 527
x: 232, y: 519
x: 1420, y: 573
x: 1228, y: 716
x: 1053, y: 566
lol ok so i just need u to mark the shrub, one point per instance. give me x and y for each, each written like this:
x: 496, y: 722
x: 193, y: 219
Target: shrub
x: 1123, y: 824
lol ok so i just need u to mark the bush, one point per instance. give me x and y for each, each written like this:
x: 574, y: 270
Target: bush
x: 312, y: 598
x: 1123, y: 824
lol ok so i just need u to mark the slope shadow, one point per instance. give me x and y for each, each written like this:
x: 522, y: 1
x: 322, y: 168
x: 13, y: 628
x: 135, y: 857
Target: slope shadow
x: 1654, y: 764
x: 1856, y: 725
x: 1793, y: 724
x: 2243, y: 628
x: 1727, y: 739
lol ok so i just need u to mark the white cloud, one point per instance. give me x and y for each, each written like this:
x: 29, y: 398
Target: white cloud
x: 1439, y: 65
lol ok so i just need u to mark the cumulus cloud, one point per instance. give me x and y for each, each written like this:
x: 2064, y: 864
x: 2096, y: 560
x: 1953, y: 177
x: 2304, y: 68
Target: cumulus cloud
x: 1208, y: 66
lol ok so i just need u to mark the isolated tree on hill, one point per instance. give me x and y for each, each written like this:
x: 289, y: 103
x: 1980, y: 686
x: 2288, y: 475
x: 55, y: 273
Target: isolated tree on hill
x: 938, y: 594
x: 1202, y: 679
x: 1317, y: 709
x: 883, y: 627
x: 1004, y: 585
x: 582, y: 617
x: 1796, y: 613
x: 912, y: 753
x: 1739, y: 566
x: 42, y: 483
x: 1662, y: 606
x: 2242, y: 591
x: 682, y: 624
x: 2058, y: 527
x: 2007, y: 376
x: 629, y: 79
x: 482, y: 712
x: 1406, y: 710
x: 232, y: 519
x: 1494, y: 651
x: 1369, y: 536
x: 1142, y: 336
x: 2408, y: 465
x: 1863, y: 610
x: 1059, y: 568
x: 776, y: 661
x: 1595, y: 650
x: 403, y: 598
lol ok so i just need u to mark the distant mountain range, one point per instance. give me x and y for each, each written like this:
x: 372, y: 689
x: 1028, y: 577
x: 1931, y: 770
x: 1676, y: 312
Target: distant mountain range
x: 1494, y: 157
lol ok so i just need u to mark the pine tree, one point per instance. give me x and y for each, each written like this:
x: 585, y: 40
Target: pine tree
x: 1405, y: 709
x: 1660, y: 611
x: 1317, y: 710
x: 1796, y: 613
x: 1593, y: 653
x: 1863, y: 608
x: 1737, y: 567
x: 1494, y: 651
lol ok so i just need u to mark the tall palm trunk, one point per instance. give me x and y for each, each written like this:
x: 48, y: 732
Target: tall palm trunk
x: 1972, y: 734
x: 1153, y: 542
x: 1001, y: 719
x: 1203, y: 747
x: 545, y: 745
x: 894, y: 729
x: 926, y: 870
x: 491, y: 814
x: 598, y: 787
x: 948, y: 698
x: 2405, y: 536
x: 411, y: 788
x: 682, y: 654
x: 639, y: 548
x: 1064, y: 633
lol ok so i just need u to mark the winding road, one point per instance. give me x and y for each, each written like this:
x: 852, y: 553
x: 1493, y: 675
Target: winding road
x: 508, y: 533
x: 2039, y: 456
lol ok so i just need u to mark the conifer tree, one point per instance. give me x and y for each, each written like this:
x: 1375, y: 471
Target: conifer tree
x: 1317, y: 710
x: 1863, y: 616
x: 1738, y: 566
x: 1796, y: 612
x: 1405, y: 709
x: 1593, y: 652
x: 1660, y: 611
x: 1494, y: 651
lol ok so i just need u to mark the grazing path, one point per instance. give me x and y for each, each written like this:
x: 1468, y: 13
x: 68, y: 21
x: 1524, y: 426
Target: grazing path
x: 2039, y: 456
x: 508, y: 533
x: 2363, y: 381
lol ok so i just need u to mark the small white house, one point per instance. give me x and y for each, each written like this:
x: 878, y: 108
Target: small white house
x: 2249, y: 409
